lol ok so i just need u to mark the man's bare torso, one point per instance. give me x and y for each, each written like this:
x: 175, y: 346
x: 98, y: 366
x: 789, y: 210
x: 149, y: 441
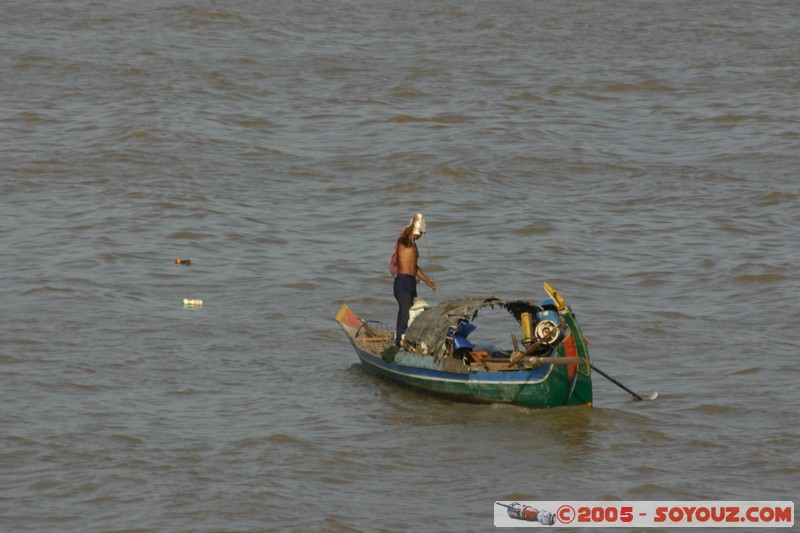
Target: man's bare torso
x: 407, y: 257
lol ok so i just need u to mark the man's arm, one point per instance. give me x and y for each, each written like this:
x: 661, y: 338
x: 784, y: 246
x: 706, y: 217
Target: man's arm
x: 421, y: 275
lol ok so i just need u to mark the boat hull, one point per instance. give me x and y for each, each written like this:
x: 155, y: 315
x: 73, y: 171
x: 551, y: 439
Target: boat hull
x: 548, y: 386
x: 544, y: 386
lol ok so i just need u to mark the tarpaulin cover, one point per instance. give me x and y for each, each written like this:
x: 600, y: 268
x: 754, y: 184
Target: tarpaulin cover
x: 430, y: 327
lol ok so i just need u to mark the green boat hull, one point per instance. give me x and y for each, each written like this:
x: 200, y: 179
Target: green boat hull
x: 564, y: 379
x: 532, y: 388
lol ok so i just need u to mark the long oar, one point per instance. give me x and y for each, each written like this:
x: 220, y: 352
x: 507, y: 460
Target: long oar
x: 653, y: 396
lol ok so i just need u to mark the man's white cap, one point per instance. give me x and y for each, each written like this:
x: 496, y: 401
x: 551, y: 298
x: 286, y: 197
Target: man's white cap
x: 418, y: 224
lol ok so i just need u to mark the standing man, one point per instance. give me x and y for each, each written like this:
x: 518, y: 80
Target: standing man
x: 405, y: 283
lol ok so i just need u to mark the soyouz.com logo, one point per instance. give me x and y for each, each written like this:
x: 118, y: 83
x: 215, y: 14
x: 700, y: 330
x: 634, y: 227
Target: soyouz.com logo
x: 727, y: 514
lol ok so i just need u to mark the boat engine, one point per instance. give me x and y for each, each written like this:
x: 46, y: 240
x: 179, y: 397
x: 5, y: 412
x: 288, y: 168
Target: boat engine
x: 548, y: 324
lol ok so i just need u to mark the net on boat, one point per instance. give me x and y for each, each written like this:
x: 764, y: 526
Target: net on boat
x: 428, y: 332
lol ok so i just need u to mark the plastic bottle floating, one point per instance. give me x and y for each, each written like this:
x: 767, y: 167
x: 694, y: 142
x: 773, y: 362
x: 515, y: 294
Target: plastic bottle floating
x: 186, y: 262
x: 191, y: 302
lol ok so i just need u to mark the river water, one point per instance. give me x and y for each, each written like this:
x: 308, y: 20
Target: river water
x: 642, y: 157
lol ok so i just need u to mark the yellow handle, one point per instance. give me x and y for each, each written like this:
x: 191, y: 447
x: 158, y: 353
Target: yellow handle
x: 560, y: 303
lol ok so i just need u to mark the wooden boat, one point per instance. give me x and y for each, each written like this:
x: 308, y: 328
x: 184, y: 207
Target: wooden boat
x: 549, y: 367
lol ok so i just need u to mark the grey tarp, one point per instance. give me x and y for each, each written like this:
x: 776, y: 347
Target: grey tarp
x: 430, y: 327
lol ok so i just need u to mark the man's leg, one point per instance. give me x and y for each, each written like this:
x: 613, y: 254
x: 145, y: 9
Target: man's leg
x: 404, y: 289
